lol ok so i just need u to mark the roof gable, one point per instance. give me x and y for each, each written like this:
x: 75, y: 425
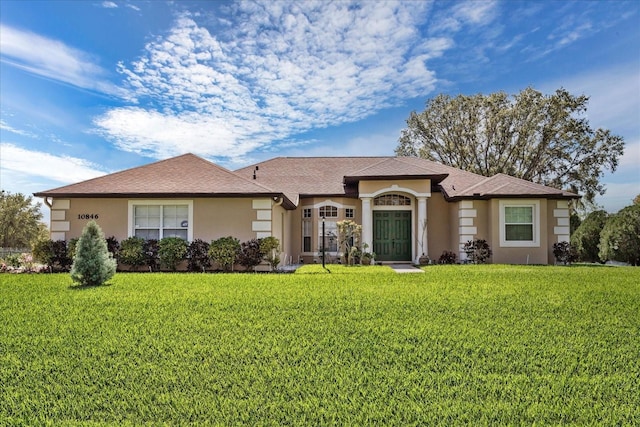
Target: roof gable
x: 185, y: 174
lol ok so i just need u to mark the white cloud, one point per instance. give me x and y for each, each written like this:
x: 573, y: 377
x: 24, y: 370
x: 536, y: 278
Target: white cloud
x: 18, y: 163
x: 6, y: 127
x: 109, y: 5
x: 275, y: 69
x: 52, y: 59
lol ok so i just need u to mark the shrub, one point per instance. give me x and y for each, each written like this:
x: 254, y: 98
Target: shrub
x: 564, y: 253
x: 150, y: 250
x: 478, y: 251
x: 586, y: 239
x: 447, y: 257
x: 270, y: 248
x: 42, y: 251
x: 93, y: 264
x: 71, y: 248
x: 12, y: 260
x: 349, y: 232
x: 250, y: 254
x: 224, y: 252
x: 620, y: 237
x: 171, y: 250
x: 198, y: 256
x: 131, y: 252
x: 113, y: 246
x: 61, y: 259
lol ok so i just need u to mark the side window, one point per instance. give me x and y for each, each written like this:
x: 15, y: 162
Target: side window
x: 519, y: 223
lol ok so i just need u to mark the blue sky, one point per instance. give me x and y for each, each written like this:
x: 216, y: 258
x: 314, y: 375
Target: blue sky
x: 93, y: 87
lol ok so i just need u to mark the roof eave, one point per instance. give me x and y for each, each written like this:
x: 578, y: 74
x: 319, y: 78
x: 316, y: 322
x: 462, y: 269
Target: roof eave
x: 436, y: 178
x: 553, y: 196
x: 288, y: 204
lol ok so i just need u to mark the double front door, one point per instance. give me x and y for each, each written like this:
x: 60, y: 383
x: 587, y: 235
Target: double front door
x: 392, y: 235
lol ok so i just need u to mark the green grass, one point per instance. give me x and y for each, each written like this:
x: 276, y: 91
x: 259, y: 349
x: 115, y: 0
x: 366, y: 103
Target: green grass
x: 477, y: 345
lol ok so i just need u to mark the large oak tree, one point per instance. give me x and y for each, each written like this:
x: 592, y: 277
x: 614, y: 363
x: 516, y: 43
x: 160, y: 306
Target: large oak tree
x: 19, y: 220
x: 542, y: 138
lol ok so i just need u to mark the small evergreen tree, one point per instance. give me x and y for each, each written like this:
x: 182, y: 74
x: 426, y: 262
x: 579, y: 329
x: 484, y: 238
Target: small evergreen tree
x: 93, y: 265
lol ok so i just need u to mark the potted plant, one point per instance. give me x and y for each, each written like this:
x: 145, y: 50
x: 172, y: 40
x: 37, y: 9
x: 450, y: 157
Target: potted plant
x: 424, y: 259
x: 366, y: 256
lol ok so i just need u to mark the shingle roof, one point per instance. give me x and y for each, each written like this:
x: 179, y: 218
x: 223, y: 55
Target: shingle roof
x: 295, y: 177
x: 318, y: 176
x: 186, y: 174
x: 502, y: 185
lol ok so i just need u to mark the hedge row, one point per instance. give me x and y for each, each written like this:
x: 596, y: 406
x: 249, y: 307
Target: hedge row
x: 168, y: 253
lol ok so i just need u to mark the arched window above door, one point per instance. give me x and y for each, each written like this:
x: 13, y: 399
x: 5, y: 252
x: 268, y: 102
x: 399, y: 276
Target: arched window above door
x: 392, y: 200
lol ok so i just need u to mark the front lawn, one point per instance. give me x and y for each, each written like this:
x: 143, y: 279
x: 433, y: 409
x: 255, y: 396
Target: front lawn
x: 457, y: 345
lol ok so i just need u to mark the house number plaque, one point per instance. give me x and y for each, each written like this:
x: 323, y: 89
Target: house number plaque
x: 87, y: 216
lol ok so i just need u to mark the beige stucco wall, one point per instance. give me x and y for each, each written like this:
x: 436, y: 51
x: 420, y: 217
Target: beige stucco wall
x: 218, y: 217
x: 314, y: 203
x: 112, y: 217
x: 212, y: 218
x: 439, y: 229
x: 519, y: 255
x: 416, y: 185
x: 221, y: 217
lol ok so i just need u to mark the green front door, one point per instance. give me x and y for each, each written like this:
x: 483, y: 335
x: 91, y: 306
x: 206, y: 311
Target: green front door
x: 392, y: 235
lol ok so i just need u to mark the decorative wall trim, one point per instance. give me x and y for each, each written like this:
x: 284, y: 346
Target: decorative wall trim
x: 466, y: 228
x: 59, y: 224
x: 562, y: 229
x: 262, y: 225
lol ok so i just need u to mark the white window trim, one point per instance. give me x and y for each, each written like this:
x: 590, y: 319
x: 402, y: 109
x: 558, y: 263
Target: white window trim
x: 535, y: 204
x: 143, y: 202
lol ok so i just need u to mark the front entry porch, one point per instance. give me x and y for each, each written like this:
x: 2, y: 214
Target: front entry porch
x: 392, y: 235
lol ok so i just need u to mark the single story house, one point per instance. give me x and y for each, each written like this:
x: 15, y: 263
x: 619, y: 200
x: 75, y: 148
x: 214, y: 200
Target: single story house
x: 407, y: 206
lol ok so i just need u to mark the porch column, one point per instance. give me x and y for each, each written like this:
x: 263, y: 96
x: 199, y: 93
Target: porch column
x: 423, y: 242
x: 367, y: 223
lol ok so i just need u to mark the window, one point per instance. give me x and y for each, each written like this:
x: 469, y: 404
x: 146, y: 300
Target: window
x: 519, y: 223
x: 330, y: 235
x: 348, y: 213
x: 156, y: 221
x: 328, y: 212
x: 306, y: 230
x: 392, y: 200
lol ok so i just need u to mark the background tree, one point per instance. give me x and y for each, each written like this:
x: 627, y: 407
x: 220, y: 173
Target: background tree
x: 586, y: 239
x: 542, y: 138
x: 93, y: 264
x: 20, y: 224
x: 620, y: 237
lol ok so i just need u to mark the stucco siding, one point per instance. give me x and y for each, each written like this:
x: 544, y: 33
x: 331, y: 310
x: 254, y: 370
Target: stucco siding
x: 519, y: 255
x: 439, y: 226
x: 215, y: 218
x: 111, y: 217
x: 421, y: 186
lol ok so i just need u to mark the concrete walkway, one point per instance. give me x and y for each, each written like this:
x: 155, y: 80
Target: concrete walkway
x: 405, y: 268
